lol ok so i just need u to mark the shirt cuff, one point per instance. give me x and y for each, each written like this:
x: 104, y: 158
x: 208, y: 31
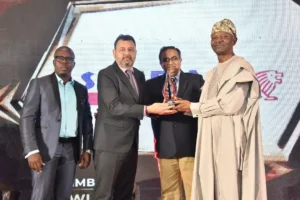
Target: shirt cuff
x: 188, y: 114
x: 88, y: 151
x: 32, y: 152
x: 195, y: 109
x: 145, y: 111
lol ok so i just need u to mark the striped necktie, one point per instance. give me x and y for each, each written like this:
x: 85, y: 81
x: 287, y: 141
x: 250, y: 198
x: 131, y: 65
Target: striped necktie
x: 170, y: 88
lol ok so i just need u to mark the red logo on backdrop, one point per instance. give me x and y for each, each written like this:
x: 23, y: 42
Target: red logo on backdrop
x: 268, y: 81
x: 6, y: 4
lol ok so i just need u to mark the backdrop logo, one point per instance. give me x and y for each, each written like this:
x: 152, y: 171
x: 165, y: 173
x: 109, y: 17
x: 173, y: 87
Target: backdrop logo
x: 89, y: 83
x: 268, y: 81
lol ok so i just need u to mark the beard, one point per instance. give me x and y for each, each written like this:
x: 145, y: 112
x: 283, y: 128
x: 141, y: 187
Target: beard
x: 127, y: 62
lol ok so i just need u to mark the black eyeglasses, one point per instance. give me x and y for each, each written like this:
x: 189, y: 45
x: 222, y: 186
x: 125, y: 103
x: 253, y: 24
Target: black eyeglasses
x: 173, y: 59
x: 62, y: 59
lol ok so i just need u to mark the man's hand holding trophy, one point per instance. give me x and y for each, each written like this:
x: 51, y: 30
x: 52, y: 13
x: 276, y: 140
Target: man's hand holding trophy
x: 170, y: 94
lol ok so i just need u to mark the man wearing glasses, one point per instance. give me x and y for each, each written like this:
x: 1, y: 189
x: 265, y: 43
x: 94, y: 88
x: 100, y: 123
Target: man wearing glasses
x: 55, y: 124
x: 176, y: 134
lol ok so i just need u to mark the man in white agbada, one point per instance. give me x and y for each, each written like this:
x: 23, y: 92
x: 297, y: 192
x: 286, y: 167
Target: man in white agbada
x: 229, y: 162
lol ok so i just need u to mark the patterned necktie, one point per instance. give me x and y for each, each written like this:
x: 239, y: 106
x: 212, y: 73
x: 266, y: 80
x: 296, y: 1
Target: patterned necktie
x: 173, y: 80
x: 130, y: 76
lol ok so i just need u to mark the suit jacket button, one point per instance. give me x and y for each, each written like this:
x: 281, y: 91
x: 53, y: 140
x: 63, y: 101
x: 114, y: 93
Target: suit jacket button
x: 58, y: 120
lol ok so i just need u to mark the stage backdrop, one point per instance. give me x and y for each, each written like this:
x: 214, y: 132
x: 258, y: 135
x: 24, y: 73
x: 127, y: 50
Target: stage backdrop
x: 268, y: 37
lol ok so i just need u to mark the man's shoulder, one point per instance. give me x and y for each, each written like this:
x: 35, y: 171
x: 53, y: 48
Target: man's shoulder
x: 136, y: 70
x: 241, y: 62
x: 154, y: 80
x: 107, y: 70
x: 43, y: 78
x: 193, y: 77
x: 247, y: 65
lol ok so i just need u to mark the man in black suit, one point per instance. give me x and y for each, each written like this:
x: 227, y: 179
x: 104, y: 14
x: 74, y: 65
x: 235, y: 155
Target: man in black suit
x: 120, y: 87
x: 55, y: 124
x: 176, y: 134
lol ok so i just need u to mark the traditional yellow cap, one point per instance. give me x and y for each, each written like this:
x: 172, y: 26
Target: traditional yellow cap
x: 225, y: 25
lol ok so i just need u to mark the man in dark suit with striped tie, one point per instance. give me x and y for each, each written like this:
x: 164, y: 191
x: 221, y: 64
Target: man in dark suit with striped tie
x: 176, y: 134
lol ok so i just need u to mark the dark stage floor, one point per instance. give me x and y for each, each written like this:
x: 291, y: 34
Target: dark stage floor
x: 147, y: 178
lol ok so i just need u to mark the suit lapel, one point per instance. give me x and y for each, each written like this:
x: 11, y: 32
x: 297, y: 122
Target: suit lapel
x: 78, y: 96
x: 183, y: 82
x: 162, y: 79
x: 54, y: 83
x: 126, y: 82
x: 79, y: 105
x: 139, y: 83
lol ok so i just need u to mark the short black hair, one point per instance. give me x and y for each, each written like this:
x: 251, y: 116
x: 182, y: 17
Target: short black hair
x: 66, y: 48
x: 165, y: 48
x: 124, y: 37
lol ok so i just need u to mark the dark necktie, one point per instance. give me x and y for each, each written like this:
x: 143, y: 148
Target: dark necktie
x: 130, y: 76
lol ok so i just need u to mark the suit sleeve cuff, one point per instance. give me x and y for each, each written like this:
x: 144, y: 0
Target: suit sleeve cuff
x: 31, y: 153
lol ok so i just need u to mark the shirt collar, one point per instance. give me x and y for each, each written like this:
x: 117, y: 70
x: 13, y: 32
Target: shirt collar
x: 125, y: 68
x: 59, y: 80
x: 177, y: 76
